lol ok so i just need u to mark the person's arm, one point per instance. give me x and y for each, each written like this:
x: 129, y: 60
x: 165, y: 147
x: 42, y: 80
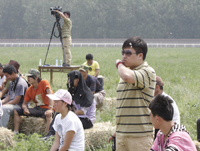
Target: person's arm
x: 25, y: 108
x: 3, y: 92
x: 125, y: 73
x: 50, y: 110
x: 4, y: 101
x: 49, y: 91
x: 97, y: 73
x: 15, y: 100
x: 79, y: 112
x: 56, y: 143
x: 111, y: 137
x: 60, y: 13
x: 68, y: 139
x: 93, y: 85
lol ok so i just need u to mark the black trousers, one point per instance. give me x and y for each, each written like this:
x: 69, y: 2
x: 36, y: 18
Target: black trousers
x: 198, y: 129
x: 85, y: 121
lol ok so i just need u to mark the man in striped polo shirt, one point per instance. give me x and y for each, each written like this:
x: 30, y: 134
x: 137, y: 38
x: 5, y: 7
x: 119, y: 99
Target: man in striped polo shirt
x: 134, y: 130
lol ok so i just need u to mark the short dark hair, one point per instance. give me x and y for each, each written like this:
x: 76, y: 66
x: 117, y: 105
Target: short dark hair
x: 89, y: 56
x: 9, y: 69
x: 138, y: 44
x: 162, y: 106
x: 1, y: 66
x: 34, y: 77
x: 67, y: 12
x: 160, y: 84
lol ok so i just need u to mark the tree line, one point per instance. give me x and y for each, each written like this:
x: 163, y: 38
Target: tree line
x: 152, y: 19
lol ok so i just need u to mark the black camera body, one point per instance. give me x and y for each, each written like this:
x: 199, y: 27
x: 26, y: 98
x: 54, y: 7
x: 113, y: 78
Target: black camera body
x: 55, y: 13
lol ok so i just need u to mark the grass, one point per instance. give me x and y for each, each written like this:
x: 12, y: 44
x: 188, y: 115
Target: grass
x: 178, y: 67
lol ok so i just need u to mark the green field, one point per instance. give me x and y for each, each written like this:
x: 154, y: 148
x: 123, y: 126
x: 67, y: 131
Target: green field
x: 178, y: 67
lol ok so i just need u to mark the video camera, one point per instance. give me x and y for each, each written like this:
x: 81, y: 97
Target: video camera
x: 55, y: 13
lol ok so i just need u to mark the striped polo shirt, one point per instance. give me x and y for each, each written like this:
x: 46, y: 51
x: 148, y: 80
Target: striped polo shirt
x: 66, y: 28
x: 132, y: 112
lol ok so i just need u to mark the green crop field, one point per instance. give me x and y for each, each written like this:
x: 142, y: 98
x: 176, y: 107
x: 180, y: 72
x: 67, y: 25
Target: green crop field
x: 178, y: 67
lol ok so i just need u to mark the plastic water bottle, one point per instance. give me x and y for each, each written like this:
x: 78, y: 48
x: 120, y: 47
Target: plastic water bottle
x: 56, y: 62
x: 40, y: 62
x: 61, y: 62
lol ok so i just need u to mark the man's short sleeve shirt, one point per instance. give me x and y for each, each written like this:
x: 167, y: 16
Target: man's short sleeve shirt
x: 38, y: 95
x: 93, y: 67
x: 19, y: 90
x: 132, y: 112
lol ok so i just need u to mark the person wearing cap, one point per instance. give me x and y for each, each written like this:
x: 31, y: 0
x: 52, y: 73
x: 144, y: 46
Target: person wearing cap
x: 83, y: 100
x: 94, y: 85
x: 159, y: 90
x: 16, y: 92
x: 37, y: 93
x: 69, y: 132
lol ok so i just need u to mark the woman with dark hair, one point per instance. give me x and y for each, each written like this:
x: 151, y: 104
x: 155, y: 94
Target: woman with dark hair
x: 83, y: 99
x: 69, y: 131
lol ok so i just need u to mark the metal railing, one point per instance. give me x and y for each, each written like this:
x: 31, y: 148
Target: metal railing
x: 165, y: 45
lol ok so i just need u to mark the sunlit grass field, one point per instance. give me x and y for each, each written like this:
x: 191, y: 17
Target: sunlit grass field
x: 178, y: 67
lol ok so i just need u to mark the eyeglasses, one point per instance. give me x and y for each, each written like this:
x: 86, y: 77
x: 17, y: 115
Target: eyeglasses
x: 127, y: 52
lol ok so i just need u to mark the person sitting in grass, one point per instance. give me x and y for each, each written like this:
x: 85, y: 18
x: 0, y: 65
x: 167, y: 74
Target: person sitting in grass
x: 93, y: 65
x: 171, y: 136
x: 83, y: 100
x: 36, y: 92
x: 159, y: 90
x: 16, y: 92
x: 2, y: 77
x: 69, y: 132
x: 94, y: 85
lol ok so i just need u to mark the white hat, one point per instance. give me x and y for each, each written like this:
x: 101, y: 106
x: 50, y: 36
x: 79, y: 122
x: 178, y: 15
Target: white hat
x: 61, y: 94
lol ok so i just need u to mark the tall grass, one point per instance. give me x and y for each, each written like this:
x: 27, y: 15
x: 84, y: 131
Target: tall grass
x: 178, y: 67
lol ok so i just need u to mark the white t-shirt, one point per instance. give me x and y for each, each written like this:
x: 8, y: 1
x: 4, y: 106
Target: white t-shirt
x: 1, y: 80
x: 70, y: 122
x: 176, y: 117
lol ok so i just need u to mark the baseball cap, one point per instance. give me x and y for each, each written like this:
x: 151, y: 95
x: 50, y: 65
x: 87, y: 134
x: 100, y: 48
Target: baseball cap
x: 84, y: 68
x: 61, y: 94
x: 33, y: 72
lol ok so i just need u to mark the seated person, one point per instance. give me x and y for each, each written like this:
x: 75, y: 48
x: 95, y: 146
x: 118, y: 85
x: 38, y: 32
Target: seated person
x: 69, y: 130
x: 2, y: 77
x: 171, y: 136
x: 93, y: 84
x: 4, y: 91
x: 36, y: 92
x: 93, y: 65
x: 159, y: 90
x: 16, y: 92
x: 83, y: 100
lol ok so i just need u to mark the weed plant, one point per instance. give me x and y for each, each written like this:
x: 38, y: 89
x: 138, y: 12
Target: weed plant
x: 178, y: 67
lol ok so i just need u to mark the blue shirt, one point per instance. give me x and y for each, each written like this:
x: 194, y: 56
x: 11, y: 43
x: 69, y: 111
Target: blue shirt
x: 93, y: 84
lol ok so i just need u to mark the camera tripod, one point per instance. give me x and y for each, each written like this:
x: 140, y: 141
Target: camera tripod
x: 56, y: 23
